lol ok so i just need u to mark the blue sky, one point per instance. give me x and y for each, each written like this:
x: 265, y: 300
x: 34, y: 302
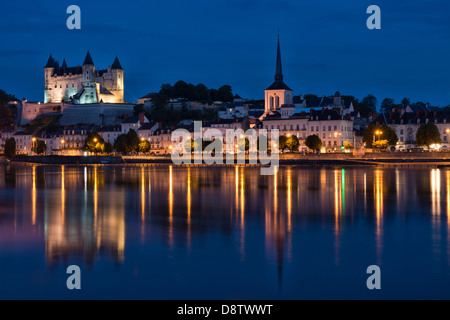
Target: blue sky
x: 326, y: 46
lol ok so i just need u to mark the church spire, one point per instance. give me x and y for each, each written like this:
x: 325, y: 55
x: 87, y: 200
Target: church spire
x: 278, y: 72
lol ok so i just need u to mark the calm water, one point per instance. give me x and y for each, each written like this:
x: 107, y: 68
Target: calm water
x: 167, y: 232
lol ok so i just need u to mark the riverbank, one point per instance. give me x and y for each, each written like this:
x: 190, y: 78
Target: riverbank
x: 382, y: 159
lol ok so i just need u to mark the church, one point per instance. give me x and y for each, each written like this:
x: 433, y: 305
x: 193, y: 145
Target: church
x: 278, y: 94
x: 83, y: 84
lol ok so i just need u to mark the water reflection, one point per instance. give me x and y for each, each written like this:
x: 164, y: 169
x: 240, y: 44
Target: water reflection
x: 93, y: 213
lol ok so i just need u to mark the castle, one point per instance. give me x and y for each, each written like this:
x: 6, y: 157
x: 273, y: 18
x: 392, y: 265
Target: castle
x: 83, y: 84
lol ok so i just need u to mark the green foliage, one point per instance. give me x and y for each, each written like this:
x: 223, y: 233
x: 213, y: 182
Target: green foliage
x: 42, y: 124
x: 282, y: 143
x: 387, y: 105
x: 10, y: 148
x: 171, y: 117
x: 191, y: 92
x: 94, y: 143
x: 428, y: 134
x: 144, y: 146
x: 243, y: 145
x: 139, y: 108
x: 313, y: 142
x: 387, y: 133
x: 7, y: 115
x: 127, y: 143
x: 348, y: 145
x: 309, y: 98
x: 292, y: 143
x: 109, y: 148
x: 367, y: 105
x: 39, y: 147
x: 380, y: 144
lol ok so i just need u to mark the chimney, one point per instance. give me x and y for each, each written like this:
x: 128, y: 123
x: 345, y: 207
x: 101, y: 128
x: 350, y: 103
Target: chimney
x: 141, y: 118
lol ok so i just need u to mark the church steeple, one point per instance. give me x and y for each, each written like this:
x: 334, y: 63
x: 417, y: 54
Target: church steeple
x: 279, y: 71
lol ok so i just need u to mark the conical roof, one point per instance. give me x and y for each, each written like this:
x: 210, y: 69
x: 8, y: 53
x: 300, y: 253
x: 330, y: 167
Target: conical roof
x: 88, y: 60
x: 116, y: 64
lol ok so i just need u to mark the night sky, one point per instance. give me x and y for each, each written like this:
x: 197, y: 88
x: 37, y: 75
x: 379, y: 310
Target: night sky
x: 325, y: 45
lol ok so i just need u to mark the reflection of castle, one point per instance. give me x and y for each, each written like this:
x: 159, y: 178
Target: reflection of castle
x: 99, y: 227
x: 83, y: 84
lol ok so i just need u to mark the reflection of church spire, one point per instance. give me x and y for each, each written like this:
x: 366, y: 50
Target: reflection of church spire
x: 280, y: 256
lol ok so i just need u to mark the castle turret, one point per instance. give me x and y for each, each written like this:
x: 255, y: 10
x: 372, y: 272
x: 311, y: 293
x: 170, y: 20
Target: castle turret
x: 90, y: 91
x: 48, y: 72
x: 117, y: 75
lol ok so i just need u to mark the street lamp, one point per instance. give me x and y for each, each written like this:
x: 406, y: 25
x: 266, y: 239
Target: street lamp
x: 377, y: 133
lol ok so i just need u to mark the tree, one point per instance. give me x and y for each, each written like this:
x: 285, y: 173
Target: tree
x: 39, y: 147
x: 406, y: 102
x: 120, y: 144
x: 243, y: 145
x: 387, y: 105
x: 375, y: 132
x: 380, y: 144
x: 109, y: 148
x: 6, y: 116
x: 282, y: 143
x: 348, y: 146
x: 367, y: 106
x: 313, y: 142
x: 144, y: 146
x: 132, y: 141
x: 225, y: 94
x: 137, y: 109
x: 428, y: 134
x: 292, y: 143
x: 94, y: 143
x: 10, y: 148
x: 127, y: 143
x: 309, y: 98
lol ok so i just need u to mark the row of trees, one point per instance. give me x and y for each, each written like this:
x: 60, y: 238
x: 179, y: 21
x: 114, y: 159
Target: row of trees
x: 192, y: 92
x: 375, y: 136
x: 125, y: 144
x: 380, y: 137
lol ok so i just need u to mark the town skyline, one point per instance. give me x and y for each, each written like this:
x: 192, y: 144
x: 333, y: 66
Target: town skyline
x: 245, y: 59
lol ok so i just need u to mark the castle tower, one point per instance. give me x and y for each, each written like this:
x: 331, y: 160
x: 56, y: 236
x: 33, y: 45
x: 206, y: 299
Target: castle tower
x: 117, y: 85
x: 90, y: 90
x: 278, y: 93
x: 48, y: 73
